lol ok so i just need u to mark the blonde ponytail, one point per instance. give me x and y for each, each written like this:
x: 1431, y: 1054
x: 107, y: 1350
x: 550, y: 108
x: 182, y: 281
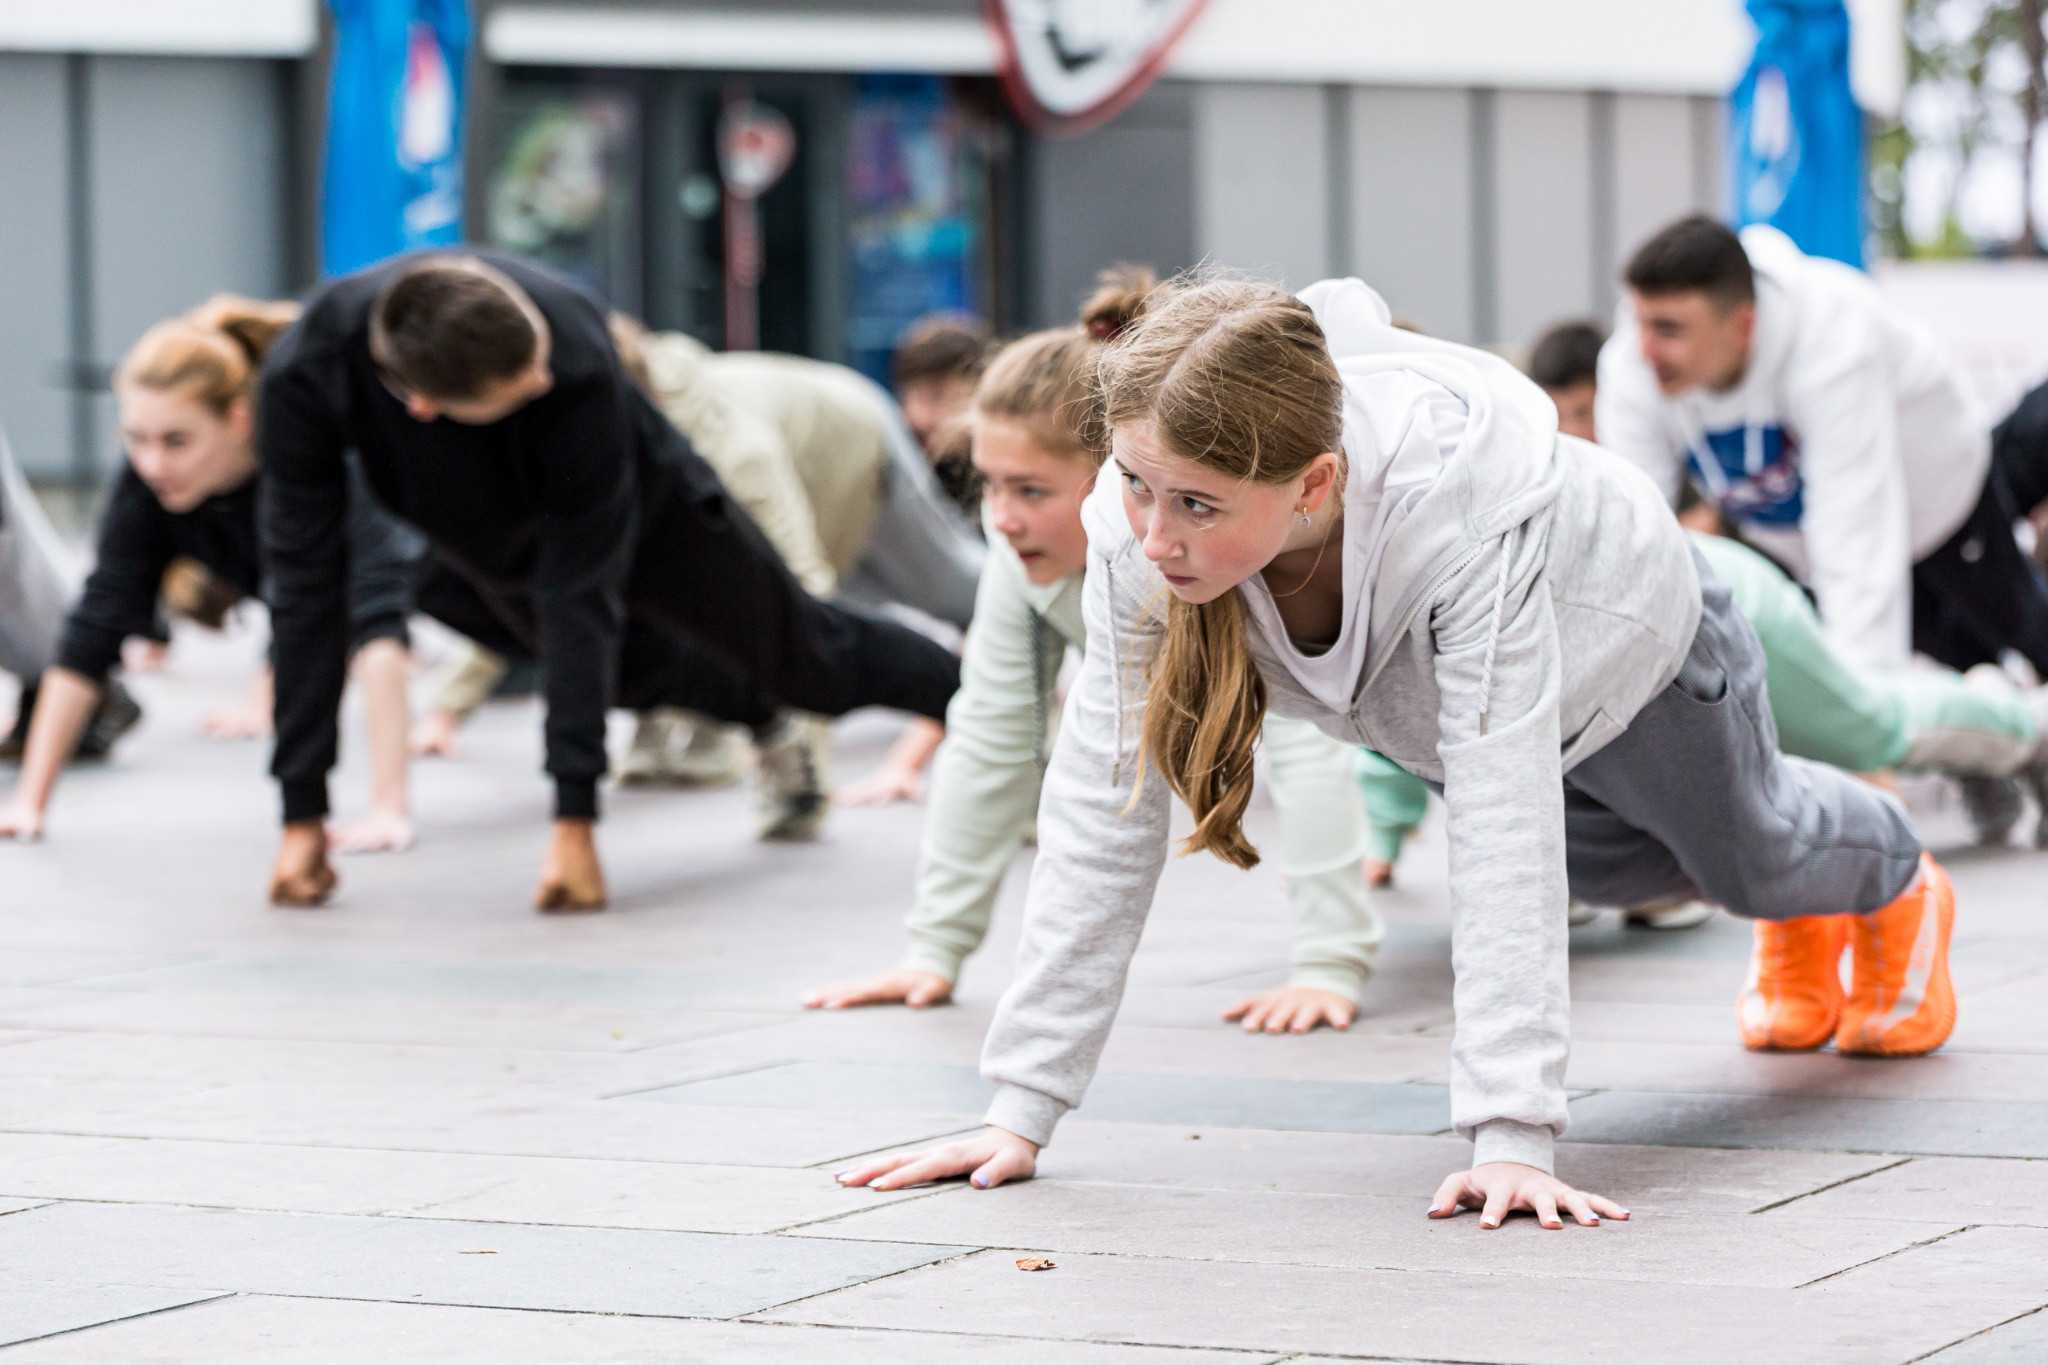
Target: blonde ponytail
x: 211, y: 354
x: 1236, y: 377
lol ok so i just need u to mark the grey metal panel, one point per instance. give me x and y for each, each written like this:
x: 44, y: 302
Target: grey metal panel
x: 1411, y: 203
x: 1709, y: 136
x: 1544, y: 184
x: 1262, y: 180
x: 34, y: 333
x: 1654, y: 170
x: 1124, y: 192
x: 189, y: 184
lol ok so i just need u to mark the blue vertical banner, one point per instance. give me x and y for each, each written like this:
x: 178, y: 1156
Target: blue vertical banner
x: 1795, y: 135
x: 394, y: 130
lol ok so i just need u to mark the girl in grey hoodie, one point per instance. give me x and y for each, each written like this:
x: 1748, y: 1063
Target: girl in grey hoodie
x: 1316, y: 515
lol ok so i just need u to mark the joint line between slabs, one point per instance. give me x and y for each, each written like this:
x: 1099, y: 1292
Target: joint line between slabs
x: 856, y: 1156
x: 1835, y: 1185
x: 746, y: 1070
x: 1897, y: 1251
x: 214, y: 1297
x: 2017, y: 1317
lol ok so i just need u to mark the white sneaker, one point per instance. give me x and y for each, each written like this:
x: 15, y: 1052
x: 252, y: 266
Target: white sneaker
x: 793, y: 797
x: 716, y: 755
x: 655, y: 740
x: 1671, y: 915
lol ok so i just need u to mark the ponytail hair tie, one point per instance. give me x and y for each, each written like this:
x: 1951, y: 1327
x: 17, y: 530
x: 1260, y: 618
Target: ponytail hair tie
x: 1107, y: 329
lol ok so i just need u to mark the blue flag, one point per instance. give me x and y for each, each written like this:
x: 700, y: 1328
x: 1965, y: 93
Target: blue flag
x: 1795, y: 135
x: 394, y: 130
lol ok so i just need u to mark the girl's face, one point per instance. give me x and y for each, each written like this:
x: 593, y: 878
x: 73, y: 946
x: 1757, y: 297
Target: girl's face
x: 182, y: 449
x: 1207, y: 531
x: 1033, y: 497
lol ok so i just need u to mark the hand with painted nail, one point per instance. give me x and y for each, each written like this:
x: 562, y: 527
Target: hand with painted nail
x: 989, y: 1158
x: 1500, y: 1188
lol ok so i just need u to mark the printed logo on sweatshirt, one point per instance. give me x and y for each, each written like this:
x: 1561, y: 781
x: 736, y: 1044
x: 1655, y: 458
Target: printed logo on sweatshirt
x: 1752, y: 474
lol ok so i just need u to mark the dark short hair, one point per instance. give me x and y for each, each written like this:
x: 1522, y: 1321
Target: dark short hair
x: 445, y: 329
x: 1567, y: 355
x: 1697, y: 252
x: 944, y: 346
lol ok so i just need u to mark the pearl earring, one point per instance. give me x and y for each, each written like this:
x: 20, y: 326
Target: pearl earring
x: 1305, y: 517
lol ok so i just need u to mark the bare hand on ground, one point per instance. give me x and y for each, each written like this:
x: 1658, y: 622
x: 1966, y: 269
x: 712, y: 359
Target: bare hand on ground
x: 571, y: 877
x: 24, y: 823
x: 434, y: 736
x: 1500, y: 1188
x: 906, y: 986
x: 885, y: 785
x: 989, y: 1158
x: 381, y: 831
x: 1293, y: 1009
x: 302, y: 876
x: 244, y: 722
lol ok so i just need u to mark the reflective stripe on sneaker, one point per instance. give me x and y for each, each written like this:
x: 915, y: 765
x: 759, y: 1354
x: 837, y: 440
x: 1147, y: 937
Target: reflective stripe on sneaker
x: 1901, y: 1001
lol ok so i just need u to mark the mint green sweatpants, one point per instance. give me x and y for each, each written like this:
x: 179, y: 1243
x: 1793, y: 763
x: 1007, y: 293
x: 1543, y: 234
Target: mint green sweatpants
x: 1826, y: 711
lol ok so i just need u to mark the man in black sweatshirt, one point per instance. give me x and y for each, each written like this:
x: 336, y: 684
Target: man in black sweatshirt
x: 489, y: 410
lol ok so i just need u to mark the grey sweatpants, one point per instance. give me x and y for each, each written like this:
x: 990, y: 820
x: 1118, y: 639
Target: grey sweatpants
x: 38, y: 578
x: 923, y: 551
x: 1694, y: 799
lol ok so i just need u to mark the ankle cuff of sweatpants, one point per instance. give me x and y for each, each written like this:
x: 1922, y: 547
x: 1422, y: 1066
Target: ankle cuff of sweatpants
x: 575, y: 798
x: 304, y: 799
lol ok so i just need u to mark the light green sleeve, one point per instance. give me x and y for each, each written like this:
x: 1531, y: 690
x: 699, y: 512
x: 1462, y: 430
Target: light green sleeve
x: 1395, y: 802
x: 1825, y: 710
x: 985, y: 781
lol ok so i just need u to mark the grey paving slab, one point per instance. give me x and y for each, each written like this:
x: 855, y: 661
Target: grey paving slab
x: 42, y: 966
x: 473, y: 1023
x: 1726, y: 1068
x: 1941, y: 1190
x: 293, y: 1331
x: 1505, y: 1319
x: 1954, y: 1127
x: 1227, y: 1101
x: 1999, y: 1260
x: 1373, y: 1232
x: 1647, y: 1179
x: 2023, y: 1341
x: 315, y: 1115
x: 536, y: 983
x: 497, y: 1265
x: 31, y: 1308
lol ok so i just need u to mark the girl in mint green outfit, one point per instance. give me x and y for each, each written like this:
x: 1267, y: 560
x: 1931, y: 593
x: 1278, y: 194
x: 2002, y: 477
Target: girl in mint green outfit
x: 1974, y: 726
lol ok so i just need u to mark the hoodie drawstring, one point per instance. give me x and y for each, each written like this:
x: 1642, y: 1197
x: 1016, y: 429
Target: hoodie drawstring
x: 1500, y: 599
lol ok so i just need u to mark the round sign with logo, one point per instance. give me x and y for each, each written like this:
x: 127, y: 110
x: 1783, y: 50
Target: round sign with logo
x: 1072, y: 65
x: 755, y: 146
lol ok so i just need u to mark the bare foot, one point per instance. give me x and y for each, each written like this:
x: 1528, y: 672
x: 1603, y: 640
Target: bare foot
x: 884, y: 786
x: 20, y: 822
x: 571, y: 877
x: 434, y: 736
x: 1293, y: 1009
x: 302, y: 876
x: 380, y: 831
x: 1378, y: 873
x: 908, y: 986
x: 145, y: 656
x: 244, y: 722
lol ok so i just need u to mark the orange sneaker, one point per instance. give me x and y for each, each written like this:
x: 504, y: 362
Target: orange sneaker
x: 1793, y: 998
x: 1901, y: 1002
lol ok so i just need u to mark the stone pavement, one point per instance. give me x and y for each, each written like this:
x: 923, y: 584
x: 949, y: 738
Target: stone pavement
x: 427, y: 1124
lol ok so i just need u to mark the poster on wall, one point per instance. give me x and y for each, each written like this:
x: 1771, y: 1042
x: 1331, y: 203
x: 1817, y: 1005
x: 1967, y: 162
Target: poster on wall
x: 1072, y: 65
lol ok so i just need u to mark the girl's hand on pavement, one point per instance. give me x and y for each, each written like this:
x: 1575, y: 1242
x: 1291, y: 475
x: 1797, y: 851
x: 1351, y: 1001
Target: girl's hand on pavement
x: 21, y: 822
x: 1500, y: 1188
x: 989, y: 1158
x: 907, y: 986
x: 1293, y: 1009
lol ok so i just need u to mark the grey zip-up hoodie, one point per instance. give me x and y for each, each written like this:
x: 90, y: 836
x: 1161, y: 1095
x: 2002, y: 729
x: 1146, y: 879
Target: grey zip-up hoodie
x: 1526, y: 606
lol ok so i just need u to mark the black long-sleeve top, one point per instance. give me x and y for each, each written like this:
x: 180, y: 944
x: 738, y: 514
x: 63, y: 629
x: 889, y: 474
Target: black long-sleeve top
x: 542, y: 502
x: 138, y: 539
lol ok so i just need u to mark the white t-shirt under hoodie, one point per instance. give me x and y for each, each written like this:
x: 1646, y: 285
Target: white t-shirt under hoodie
x: 1849, y: 450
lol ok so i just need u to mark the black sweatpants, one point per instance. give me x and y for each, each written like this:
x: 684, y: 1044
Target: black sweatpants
x: 1977, y: 595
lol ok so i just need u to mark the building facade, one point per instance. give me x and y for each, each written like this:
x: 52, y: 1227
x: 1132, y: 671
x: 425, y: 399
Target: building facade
x: 1485, y: 163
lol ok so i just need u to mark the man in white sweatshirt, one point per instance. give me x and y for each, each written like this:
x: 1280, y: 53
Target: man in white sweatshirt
x: 1835, y: 435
